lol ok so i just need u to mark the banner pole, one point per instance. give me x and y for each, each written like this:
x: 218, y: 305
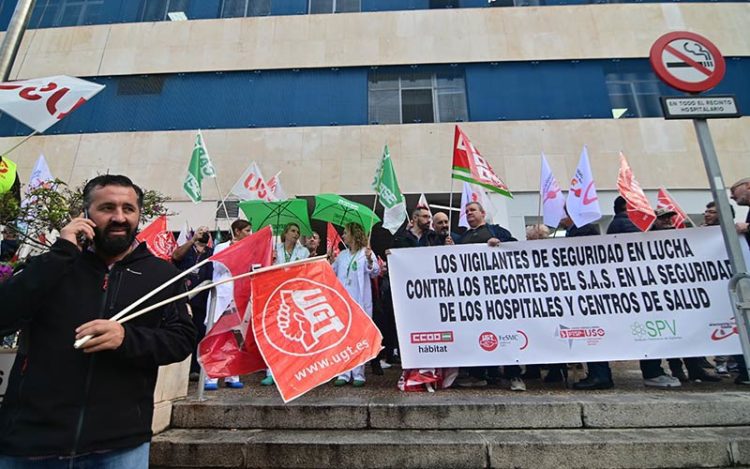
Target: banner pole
x: 25, y: 139
x: 209, y: 325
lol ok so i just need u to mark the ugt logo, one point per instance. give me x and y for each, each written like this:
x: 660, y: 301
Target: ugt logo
x: 303, y: 317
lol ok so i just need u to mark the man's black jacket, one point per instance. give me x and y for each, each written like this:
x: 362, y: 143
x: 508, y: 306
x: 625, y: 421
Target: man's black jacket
x: 61, y: 401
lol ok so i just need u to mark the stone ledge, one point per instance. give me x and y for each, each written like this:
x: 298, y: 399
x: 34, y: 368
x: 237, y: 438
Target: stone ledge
x: 558, y: 449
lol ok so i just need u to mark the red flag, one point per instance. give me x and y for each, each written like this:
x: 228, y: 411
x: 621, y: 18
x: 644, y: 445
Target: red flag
x: 160, y: 242
x: 308, y: 328
x: 470, y: 166
x: 665, y: 200
x: 639, y: 209
x: 227, y: 349
x: 333, y: 240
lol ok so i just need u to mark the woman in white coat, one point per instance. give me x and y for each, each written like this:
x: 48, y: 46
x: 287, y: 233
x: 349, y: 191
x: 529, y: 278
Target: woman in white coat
x: 354, y: 268
x: 288, y: 250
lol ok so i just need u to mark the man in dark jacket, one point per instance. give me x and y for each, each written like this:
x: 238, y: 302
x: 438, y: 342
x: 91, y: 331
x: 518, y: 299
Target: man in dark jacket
x: 480, y: 232
x: 419, y: 233
x: 741, y: 195
x: 93, y: 406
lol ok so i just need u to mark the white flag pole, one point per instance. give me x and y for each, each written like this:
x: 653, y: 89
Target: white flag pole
x: 78, y: 343
x: 216, y: 177
x: 25, y: 139
x: 214, y: 284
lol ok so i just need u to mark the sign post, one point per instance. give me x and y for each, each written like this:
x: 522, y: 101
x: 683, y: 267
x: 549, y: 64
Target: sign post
x: 689, y: 62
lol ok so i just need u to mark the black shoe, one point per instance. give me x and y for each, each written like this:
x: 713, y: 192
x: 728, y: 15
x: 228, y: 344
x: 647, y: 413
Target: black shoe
x: 679, y: 373
x: 703, y: 363
x: 377, y: 369
x: 194, y: 376
x: 742, y: 379
x: 590, y: 384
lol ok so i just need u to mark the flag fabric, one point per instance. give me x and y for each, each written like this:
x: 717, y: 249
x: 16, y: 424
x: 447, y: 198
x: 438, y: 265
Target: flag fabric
x: 470, y: 166
x: 160, y: 242
x: 333, y: 240
x: 638, y: 207
x: 467, y: 195
x: 386, y: 187
x: 252, y: 186
x: 307, y: 327
x: 582, y: 202
x: 184, y: 235
x: 200, y: 167
x: 422, y: 203
x: 228, y: 349
x: 665, y: 200
x: 42, y: 102
x: 40, y: 175
x: 274, y: 186
x: 7, y: 174
x: 553, y: 200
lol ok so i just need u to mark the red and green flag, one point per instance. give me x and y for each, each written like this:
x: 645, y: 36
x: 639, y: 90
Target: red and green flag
x: 470, y: 166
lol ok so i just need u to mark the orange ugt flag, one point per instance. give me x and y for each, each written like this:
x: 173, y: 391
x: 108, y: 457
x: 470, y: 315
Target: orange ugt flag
x: 308, y: 328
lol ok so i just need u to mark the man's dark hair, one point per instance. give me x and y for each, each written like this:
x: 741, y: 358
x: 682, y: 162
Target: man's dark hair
x: 481, y: 209
x: 110, y: 180
x: 416, y: 211
x: 239, y: 225
x: 712, y: 204
x: 620, y: 204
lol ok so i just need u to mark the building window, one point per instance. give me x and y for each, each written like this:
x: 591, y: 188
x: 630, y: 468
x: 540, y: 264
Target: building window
x: 334, y: 6
x: 159, y: 10
x: 443, y: 3
x: 54, y: 13
x: 140, y: 85
x: 242, y: 8
x: 416, y: 97
x: 633, y: 95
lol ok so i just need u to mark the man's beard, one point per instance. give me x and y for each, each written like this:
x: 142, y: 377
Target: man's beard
x: 113, y: 245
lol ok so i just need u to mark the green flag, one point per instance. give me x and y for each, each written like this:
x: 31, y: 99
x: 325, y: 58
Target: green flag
x: 200, y: 166
x: 386, y: 186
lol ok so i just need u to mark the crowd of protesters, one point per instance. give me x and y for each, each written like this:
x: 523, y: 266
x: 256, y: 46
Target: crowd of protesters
x: 365, y: 276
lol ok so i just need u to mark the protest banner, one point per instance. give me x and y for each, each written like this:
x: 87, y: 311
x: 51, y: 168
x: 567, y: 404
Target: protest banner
x: 617, y: 297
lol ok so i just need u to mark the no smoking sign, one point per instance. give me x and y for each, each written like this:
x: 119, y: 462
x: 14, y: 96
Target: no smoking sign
x: 687, y: 61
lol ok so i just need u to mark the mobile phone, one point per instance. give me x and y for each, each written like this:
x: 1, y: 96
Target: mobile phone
x: 83, y: 241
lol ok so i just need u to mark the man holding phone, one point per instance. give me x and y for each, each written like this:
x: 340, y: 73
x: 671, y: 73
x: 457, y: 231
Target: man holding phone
x: 93, y: 405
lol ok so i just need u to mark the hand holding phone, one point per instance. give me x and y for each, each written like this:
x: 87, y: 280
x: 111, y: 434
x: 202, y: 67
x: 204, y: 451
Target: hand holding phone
x: 80, y: 231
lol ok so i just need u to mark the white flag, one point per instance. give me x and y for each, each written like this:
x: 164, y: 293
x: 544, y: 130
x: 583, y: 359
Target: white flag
x: 423, y: 204
x: 553, y: 200
x: 42, y: 102
x: 40, y: 175
x: 184, y: 236
x: 274, y: 185
x: 467, y: 195
x: 252, y: 185
x: 583, y: 203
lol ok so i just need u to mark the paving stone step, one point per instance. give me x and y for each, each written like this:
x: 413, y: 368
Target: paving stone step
x: 433, y: 411
x: 558, y: 449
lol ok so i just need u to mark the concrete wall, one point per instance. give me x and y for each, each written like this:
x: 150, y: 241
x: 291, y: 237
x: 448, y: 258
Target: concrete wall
x: 343, y: 159
x: 382, y: 38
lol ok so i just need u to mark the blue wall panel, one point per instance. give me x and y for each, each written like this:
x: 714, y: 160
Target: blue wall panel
x: 222, y: 100
x: 524, y: 90
x: 321, y: 97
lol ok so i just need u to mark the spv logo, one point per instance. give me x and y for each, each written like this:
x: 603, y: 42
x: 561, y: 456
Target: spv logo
x: 657, y: 329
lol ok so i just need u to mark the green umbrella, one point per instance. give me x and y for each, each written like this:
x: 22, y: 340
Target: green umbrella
x: 277, y: 214
x: 340, y: 211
